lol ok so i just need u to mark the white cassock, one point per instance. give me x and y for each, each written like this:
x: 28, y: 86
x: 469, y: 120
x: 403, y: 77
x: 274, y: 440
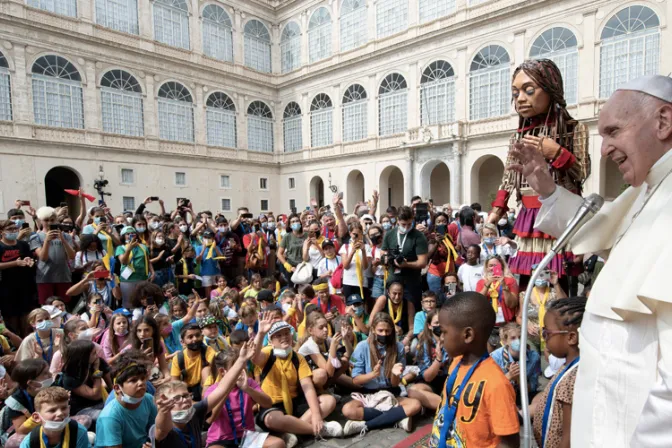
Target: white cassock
x: 623, y: 391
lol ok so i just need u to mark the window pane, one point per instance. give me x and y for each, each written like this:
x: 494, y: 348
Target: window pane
x: 433, y: 9
x: 622, y: 60
x: 63, y: 7
x: 392, y: 17
x: 321, y: 128
x: 122, y: 112
x: 171, y: 26
x: 221, y: 127
x: 264, y: 205
x: 176, y: 120
x: 180, y: 178
x: 225, y: 181
x: 226, y: 205
x: 126, y: 176
x: 353, y: 24
x: 437, y: 101
x: 259, y: 134
x: 354, y: 121
x: 5, y: 96
x: 263, y: 182
x: 217, y: 34
x: 57, y: 102
x: 129, y: 203
x: 120, y: 15
x: 319, y: 35
x: 293, y: 140
x: 257, y: 54
x: 392, y: 113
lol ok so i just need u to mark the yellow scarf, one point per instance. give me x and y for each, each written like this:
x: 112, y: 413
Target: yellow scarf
x: 211, y: 251
x: 286, y: 367
x: 494, y: 295
x: 66, y: 438
x: 451, y: 252
x: 542, y: 312
x: 144, y: 252
x: 109, y: 249
x: 244, y: 290
x: 360, y: 272
x: 390, y: 308
x: 185, y: 270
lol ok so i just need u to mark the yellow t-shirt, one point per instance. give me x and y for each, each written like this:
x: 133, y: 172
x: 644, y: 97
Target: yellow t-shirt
x: 5, y: 345
x: 193, y: 366
x: 272, y: 384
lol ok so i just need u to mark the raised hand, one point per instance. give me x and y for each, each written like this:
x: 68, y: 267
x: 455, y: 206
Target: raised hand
x: 241, y: 382
x: 164, y: 404
x: 247, y: 350
x: 265, y: 323
x: 336, y: 340
x: 533, y: 166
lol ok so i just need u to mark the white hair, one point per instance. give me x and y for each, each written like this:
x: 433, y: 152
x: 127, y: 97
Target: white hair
x: 44, y: 213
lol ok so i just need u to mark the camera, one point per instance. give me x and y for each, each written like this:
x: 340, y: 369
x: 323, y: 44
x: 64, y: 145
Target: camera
x: 392, y: 256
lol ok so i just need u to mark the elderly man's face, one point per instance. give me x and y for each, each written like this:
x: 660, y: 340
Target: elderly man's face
x: 629, y: 135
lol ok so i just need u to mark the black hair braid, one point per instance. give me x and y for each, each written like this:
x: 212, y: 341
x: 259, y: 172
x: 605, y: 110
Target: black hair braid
x: 570, y: 310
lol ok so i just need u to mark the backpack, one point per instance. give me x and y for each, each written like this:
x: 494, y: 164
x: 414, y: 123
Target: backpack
x: 271, y: 361
x: 35, y: 439
x: 182, y: 366
x: 337, y: 277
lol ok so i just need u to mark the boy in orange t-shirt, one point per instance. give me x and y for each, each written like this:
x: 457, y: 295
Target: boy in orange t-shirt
x: 485, y: 414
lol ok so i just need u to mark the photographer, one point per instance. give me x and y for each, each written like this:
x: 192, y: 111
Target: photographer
x: 405, y: 255
x: 102, y: 229
x: 19, y: 218
x: 442, y: 253
x: 242, y: 225
x: 135, y: 265
x: 54, y: 249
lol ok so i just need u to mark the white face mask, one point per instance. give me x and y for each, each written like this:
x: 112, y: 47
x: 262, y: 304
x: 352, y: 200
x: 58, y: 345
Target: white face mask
x: 46, y: 383
x: 129, y: 399
x: 282, y: 353
x: 86, y: 334
x: 224, y: 229
x: 54, y: 426
x: 183, y: 229
x: 44, y: 325
x: 129, y: 221
x: 182, y: 416
x: 159, y: 241
x: 502, y: 222
x: 154, y: 225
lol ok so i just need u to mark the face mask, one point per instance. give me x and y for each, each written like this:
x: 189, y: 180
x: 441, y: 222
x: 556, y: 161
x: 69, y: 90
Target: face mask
x: 207, y: 241
x: 44, y: 325
x: 19, y: 222
x: 541, y: 283
x: 402, y: 230
x: 286, y: 307
x: 502, y: 222
x: 140, y: 229
x: 54, y: 426
x: 393, y: 220
x: 515, y: 345
x: 271, y: 225
x: 129, y: 220
x: 96, y: 220
x: 479, y: 227
x: 154, y: 225
x: 264, y: 225
x: 183, y: 229
x: 86, y: 334
x: 129, y: 399
x: 436, y: 330
x: 375, y: 240
x: 159, y: 241
x: 166, y: 331
x: 46, y: 383
x: 489, y: 241
x: 11, y: 236
x: 359, y: 311
x: 387, y: 226
x: 223, y: 229
x: 317, y: 234
x: 383, y: 339
x: 282, y: 353
x: 296, y: 227
x: 194, y: 346
x: 226, y: 310
x: 121, y: 333
x: 182, y: 416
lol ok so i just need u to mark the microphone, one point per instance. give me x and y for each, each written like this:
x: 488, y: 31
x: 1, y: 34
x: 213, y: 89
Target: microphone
x: 590, y: 206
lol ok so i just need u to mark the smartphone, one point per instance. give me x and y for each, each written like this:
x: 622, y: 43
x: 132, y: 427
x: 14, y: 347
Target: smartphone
x: 442, y: 232
x: 63, y: 204
x: 25, y: 225
x: 307, y: 207
x: 334, y: 311
x: 148, y: 343
x: 452, y: 288
x: 54, y: 227
x: 497, y: 271
x: 25, y: 202
x: 154, y: 198
x: 247, y: 215
x: 101, y: 274
x: 422, y: 212
x: 103, y: 220
x: 118, y: 227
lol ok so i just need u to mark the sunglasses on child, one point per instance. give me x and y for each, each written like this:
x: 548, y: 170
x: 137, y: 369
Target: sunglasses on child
x: 546, y: 334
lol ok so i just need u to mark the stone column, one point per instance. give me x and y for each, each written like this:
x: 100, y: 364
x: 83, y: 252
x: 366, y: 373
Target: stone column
x: 413, y: 100
x: 199, y: 114
x: 456, y: 174
x: 145, y: 19
x: 461, y: 85
x: 336, y: 120
x: 372, y: 106
x: 241, y: 106
x: 150, y: 106
x: 371, y: 19
x: 304, y: 38
x: 305, y: 120
x: 195, y: 29
x: 90, y: 96
x: 276, y: 67
x: 589, y: 65
x: 238, y: 38
x: 22, y: 108
x: 335, y: 28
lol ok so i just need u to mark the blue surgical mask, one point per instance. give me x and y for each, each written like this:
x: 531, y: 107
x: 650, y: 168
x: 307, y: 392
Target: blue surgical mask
x: 515, y: 345
x: 44, y: 325
x: 359, y: 311
x: 19, y: 222
x: 402, y: 230
x: 264, y: 225
x: 393, y: 220
x: 11, y: 236
x: 489, y: 241
x: 387, y: 226
x: 128, y: 399
x: 296, y: 226
x: 541, y: 283
x: 96, y: 220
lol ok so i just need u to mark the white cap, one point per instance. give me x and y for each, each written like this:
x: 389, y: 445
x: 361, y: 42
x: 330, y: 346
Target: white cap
x: 655, y: 85
x: 52, y: 310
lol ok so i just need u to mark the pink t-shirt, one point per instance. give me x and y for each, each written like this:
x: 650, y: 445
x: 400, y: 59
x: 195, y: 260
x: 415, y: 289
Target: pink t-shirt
x: 221, y: 428
x: 122, y: 342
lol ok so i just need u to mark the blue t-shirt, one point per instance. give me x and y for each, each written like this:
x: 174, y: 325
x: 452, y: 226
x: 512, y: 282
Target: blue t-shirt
x: 172, y: 341
x: 419, y: 322
x: 504, y: 359
x: 117, y: 425
x: 151, y: 390
x: 241, y: 326
x: 428, y: 354
x: 361, y: 361
x: 209, y: 266
x: 82, y: 440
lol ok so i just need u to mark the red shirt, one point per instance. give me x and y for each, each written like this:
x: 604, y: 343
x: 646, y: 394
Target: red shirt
x: 509, y: 313
x: 333, y: 301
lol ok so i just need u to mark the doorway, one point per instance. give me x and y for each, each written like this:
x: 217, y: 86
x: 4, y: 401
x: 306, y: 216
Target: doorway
x: 56, y: 181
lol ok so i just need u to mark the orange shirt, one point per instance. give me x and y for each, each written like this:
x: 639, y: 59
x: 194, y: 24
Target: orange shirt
x: 487, y: 408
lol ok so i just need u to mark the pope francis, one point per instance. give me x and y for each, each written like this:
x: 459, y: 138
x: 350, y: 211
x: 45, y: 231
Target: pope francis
x: 623, y: 391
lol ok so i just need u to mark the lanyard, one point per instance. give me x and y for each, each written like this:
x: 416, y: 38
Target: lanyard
x: 549, y: 401
x: 31, y: 407
x: 242, y: 415
x: 45, y: 440
x: 450, y: 410
x: 51, y: 345
x: 401, y: 242
x: 487, y: 252
x: 319, y: 304
x: 184, y: 440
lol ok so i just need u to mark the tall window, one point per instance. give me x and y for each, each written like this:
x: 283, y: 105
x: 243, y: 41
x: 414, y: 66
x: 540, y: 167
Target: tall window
x: 127, y: 176
x: 354, y: 113
x: 121, y: 98
x: 630, y: 47
x: 257, y: 46
x: 353, y: 24
x: 221, y: 120
x: 5, y: 90
x: 259, y: 127
x: 321, y: 117
x: 128, y: 203
x: 120, y: 15
x: 290, y: 47
x: 176, y: 113
x: 489, y: 83
x: 437, y: 93
x: 391, y: 17
x: 64, y: 7
x: 319, y: 35
x: 57, y: 93
x: 180, y: 178
x: 433, y: 9
x: 171, y: 22
x: 291, y: 127
x: 217, y: 33
x: 559, y: 44
x: 392, y: 109
x: 225, y: 181
x: 226, y: 205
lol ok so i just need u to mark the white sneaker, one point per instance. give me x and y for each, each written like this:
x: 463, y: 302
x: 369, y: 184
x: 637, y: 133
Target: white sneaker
x: 332, y: 429
x: 353, y: 427
x: 290, y: 440
x: 405, y: 424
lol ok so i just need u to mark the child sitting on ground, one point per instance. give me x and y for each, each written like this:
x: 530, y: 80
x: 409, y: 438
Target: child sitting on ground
x: 507, y: 358
x: 211, y: 336
x: 255, y: 286
x: 189, y: 363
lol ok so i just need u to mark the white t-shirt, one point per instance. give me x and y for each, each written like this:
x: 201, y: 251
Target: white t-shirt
x: 81, y: 258
x: 469, y: 276
x: 380, y: 270
x: 327, y: 265
x: 350, y: 274
x: 504, y: 251
x: 314, y: 255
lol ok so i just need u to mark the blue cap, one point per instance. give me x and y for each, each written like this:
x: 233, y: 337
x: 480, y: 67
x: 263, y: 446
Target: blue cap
x: 124, y: 312
x: 353, y: 299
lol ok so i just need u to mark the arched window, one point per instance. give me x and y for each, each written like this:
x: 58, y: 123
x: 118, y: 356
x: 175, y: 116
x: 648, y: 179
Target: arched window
x: 259, y: 127
x: 120, y: 15
x: 291, y: 127
x: 391, y: 17
x: 353, y: 24
x: 176, y: 113
x: 433, y: 9
x: 221, y: 120
x: 630, y: 47
x: 392, y: 108
x: 121, y: 98
x: 5, y: 90
x: 319, y: 35
x: 217, y: 33
x: 257, y: 46
x: 489, y: 83
x: 290, y: 47
x: 63, y: 7
x: 559, y: 45
x: 321, y: 116
x: 57, y: 93
x: 354, y: 113
x: 437, y: 93
x: 171, y: 22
